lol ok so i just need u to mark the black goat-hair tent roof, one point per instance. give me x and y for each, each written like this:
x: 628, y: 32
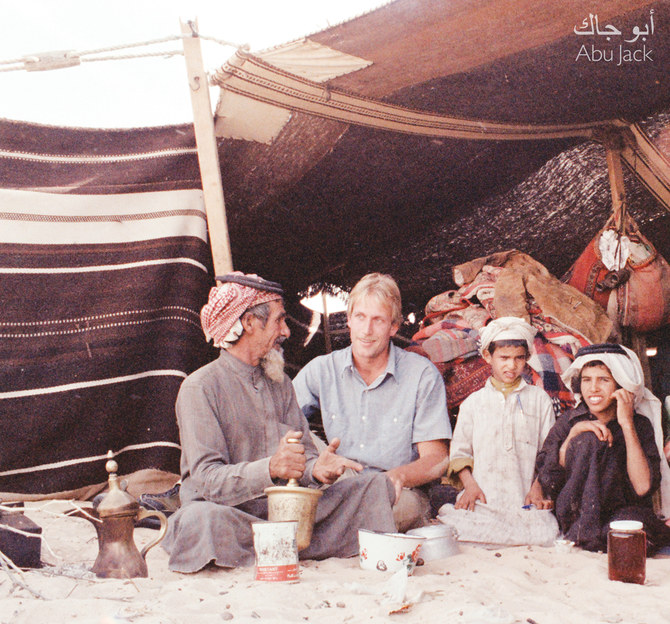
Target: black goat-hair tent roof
x: 329, y: 201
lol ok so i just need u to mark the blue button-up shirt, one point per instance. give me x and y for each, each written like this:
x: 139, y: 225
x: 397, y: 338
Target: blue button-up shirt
x: 379, y: 425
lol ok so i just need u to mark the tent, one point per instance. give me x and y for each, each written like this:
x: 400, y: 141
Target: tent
x: 408, y: 140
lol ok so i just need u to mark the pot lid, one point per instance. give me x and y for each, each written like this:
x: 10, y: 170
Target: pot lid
x: 117, y: 501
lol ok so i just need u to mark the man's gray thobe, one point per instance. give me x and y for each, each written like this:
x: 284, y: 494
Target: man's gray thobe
x: 231, y: 419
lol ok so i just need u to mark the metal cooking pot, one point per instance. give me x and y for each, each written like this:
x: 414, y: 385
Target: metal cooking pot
x: 440, y: 541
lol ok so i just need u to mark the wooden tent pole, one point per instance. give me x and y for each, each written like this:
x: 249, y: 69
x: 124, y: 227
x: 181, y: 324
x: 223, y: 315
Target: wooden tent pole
x: 637, y: 341
x: 326, y: 322
x: 208, y: 155
x: 616, y: 183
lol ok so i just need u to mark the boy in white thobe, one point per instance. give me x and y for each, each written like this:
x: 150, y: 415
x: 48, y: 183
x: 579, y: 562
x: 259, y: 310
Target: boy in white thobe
x: 499, y: 431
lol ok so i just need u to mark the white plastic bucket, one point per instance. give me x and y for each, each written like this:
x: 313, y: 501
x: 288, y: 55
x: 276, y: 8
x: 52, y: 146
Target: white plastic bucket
x: 276, y: 551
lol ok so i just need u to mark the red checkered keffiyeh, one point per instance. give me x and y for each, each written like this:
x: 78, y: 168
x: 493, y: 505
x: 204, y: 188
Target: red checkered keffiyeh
x: 227, y: 303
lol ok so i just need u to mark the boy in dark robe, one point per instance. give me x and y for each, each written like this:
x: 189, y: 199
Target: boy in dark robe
x: 601, y: 460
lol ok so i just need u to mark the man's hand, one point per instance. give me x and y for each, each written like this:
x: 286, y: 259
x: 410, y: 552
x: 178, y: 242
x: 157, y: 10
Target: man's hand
x: 601, y: 431
x: 398, y: 480
x: 624, y: 407
x: 432, y: 463
x: 536, y: 497
x: 288, y: 462
x: 637, y: 463
x: 329, y: 466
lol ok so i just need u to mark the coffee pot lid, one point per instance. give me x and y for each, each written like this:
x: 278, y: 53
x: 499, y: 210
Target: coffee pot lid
x: 117, y: 502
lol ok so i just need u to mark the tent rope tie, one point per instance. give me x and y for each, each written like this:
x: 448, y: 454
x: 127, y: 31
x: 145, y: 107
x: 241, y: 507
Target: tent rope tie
x: 70, y: 58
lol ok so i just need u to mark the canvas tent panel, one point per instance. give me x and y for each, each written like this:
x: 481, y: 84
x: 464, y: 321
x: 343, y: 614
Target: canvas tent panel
x: 312, y: 60
x: 241, y: 118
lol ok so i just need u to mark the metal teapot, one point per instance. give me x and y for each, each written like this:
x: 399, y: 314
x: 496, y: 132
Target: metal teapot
x: 114, y: 521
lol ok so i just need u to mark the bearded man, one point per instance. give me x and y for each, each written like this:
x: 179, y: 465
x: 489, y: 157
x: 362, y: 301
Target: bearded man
x: 236, y: 416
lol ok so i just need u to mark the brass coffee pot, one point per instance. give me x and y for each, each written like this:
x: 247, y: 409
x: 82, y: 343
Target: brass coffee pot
x: 293, y: 502
x: 114, y: 521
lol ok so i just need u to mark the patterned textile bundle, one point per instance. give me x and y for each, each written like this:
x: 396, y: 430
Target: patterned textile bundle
x: 463, y: 377
x: 545, y: 367
x: 444, y: 341
x: 482, y: 288
x: 448, y: 345
x: 451, y: 343
x: 100, y: 325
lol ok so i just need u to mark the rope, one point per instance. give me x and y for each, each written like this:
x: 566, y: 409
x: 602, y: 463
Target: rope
x: 130, y: 45
x: 223, y: 42
x: 12, y: 61
x: 123, y: 57
x: 76, y: 57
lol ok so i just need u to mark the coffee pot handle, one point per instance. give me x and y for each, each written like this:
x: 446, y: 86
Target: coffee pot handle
x: 145, y: 513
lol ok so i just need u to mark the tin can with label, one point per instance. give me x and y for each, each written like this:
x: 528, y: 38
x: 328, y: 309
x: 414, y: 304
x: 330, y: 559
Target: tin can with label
x: 276, y: 551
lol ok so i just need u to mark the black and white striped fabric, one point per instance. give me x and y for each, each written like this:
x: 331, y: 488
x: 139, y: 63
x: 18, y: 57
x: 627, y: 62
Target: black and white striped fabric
x: 99, y: 325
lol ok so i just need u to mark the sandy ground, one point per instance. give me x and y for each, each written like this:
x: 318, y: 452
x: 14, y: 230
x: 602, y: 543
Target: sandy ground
x: 531, y: 585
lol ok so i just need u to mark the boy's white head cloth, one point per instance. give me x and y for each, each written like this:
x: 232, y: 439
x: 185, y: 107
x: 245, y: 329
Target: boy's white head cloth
x: 507, y: 328
x: 626, y: 369
x: 622, y: 363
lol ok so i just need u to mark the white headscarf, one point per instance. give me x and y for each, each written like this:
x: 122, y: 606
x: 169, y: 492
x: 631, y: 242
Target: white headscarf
x: 507, y: 328
x: 627, y: 372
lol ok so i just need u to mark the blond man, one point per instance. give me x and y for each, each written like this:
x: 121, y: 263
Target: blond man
x: 381, y: 406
